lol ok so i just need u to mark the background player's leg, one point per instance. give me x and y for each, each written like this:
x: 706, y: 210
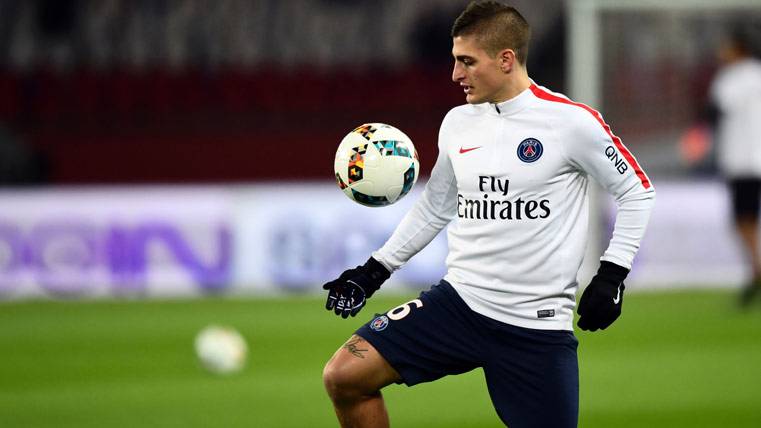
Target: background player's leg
x: 746, y: 205
x: 747, y: 228
x: 353, y: 378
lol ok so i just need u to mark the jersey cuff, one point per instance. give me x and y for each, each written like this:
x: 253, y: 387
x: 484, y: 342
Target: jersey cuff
x: 616, y: 260
x: 380, y: 259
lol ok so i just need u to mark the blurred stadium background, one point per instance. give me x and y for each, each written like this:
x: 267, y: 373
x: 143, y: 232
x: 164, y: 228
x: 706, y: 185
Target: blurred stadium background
x: 168, y: 164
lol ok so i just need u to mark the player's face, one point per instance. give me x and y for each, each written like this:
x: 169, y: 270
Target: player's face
x: 478, y: 74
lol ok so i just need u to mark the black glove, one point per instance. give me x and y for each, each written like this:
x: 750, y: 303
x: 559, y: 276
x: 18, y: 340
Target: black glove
x: 349, y: 293
x: 601, y: 301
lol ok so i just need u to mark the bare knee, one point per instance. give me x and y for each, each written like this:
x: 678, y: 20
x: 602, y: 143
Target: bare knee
x: 342, y: 381
x: 356, y: 371
x: 335, y: 379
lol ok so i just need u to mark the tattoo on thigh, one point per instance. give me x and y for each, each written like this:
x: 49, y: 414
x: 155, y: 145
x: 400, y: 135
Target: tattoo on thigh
x: 354, y: 346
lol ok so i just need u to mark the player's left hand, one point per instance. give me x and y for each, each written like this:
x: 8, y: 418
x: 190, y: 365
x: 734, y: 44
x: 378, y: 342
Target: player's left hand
x: 601, y: 302
x: 349, y: 293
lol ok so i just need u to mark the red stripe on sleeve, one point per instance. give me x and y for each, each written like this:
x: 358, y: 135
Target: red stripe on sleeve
x: 542, y: 94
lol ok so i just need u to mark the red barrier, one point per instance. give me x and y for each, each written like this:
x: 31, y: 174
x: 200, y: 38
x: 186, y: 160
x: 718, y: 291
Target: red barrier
x: 230, y: 125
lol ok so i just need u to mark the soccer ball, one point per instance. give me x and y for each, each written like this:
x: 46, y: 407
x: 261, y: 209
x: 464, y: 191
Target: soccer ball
x: 376, y: 165
x: 221, y: 350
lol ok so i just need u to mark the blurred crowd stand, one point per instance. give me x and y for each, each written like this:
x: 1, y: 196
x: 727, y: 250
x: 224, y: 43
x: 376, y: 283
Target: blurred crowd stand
x: 198, y: 90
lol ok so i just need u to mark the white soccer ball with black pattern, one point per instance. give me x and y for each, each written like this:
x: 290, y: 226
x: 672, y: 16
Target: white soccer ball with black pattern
x: 221, y: 350
x: 376, y: 165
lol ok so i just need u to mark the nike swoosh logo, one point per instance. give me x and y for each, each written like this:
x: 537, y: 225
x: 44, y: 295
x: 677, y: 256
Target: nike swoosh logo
x: 468, y: 150
x: 618, y: 296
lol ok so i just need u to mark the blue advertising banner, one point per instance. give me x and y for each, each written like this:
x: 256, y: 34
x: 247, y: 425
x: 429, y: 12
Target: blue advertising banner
x: 172, y: 241
x: 115, y: 241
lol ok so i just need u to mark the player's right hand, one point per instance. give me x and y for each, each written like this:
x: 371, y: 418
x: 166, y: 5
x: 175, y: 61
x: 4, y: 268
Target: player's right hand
x: 349, y: 293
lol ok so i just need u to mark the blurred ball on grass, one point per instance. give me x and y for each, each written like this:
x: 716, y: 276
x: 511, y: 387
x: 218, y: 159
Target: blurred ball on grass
x: 221, y: 349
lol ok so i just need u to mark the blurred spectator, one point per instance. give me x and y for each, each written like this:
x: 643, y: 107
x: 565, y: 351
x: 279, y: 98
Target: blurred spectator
x: 156, y: 80
x: 735, y: 97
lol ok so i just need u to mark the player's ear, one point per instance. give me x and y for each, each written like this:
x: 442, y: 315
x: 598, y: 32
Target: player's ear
x: 506, y: 59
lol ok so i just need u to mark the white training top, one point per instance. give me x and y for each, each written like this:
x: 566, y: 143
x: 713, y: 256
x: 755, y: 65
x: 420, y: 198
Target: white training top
x: 513, y: 177
x: 736, y: 92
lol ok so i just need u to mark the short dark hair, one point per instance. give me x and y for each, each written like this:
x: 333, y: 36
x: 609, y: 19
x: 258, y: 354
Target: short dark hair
x: 496, y: 27
x: 741, y: 38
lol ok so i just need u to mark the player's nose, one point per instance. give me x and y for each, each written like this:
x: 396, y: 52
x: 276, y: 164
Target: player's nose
x: 457, y: 73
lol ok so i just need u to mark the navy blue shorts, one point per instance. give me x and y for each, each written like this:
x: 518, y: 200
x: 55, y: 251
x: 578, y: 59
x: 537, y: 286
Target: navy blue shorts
x: 746, y: 197
x: 532, y: 375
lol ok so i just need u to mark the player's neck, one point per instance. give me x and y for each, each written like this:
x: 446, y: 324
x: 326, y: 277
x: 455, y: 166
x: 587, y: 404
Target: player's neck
x: 514, y: 86
x: 737, y: 59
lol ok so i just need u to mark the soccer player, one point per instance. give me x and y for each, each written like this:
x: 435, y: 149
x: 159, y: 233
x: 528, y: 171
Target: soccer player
x: 735, y: 96
x: 512, y: 177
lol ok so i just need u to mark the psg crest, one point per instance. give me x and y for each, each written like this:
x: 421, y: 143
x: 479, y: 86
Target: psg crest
x: 529, y: 150
x: 379, y: 323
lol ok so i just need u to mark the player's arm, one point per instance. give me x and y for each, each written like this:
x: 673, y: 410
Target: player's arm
x: 595, y: 150
x: 431, y: 213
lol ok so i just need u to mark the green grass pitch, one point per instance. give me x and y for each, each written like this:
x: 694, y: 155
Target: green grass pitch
x: 676, y: 359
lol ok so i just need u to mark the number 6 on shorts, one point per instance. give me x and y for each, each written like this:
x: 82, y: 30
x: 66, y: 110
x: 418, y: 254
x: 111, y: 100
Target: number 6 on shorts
x: 403, y: 310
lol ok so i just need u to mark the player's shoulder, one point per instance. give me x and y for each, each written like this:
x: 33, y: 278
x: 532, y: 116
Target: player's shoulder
x: 747, y: 66
x: 559, y: 102
x: 566, y: 112
x: 739, y: 74
x: 459, y: 115
x: 752, y: 70
x: 463, y: 111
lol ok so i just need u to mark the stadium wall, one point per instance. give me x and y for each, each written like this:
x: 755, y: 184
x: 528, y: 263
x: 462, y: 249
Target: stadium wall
x: 259, y: 239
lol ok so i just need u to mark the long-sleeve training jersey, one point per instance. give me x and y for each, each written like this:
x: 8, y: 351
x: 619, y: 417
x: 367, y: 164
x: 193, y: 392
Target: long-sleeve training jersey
x: 513, y: 177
